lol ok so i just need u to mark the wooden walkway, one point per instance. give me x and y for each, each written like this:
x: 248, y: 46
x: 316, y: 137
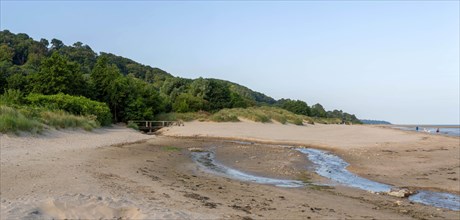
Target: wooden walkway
x: 151, y: 126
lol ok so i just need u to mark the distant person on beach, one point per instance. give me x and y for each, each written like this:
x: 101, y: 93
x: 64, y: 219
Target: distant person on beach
x: 416, y: 128
x: 437, y: 130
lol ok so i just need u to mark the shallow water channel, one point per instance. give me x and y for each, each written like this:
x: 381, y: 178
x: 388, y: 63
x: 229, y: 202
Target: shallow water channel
x: 334, y: 168
x: 207, y: 161
x: 331, y: 167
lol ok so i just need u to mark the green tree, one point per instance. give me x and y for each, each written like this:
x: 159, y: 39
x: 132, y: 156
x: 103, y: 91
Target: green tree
x: 186, y: 102
x: 238, y: 101
x: 58, y: 75
x: 317, y: 110
x: 6, y: 53
x: 17, y: 82
x: 218, y: 95
x: 82, y: 54
x: 56, y: 44
x: 102, y: 77
x: 295, y: 106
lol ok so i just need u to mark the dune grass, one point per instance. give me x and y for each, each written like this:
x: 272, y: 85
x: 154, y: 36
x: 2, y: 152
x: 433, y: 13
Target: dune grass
x: 60, y: 119
x: 264, y: 114
x: 12, y: 120
x: 188, y: 116
x: 35, y: 119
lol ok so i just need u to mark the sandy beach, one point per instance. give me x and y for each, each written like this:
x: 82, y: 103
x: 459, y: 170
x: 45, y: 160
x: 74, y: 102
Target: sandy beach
x: 120, y: 173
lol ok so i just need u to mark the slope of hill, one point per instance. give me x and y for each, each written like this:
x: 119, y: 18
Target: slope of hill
x: 131, y: 90
x: 374, y: 122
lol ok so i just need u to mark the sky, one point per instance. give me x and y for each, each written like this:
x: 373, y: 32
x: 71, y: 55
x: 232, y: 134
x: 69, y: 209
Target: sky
x: 389, y: 60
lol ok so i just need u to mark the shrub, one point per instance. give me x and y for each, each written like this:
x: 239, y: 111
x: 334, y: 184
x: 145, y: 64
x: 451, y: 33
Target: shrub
x: 133, y: 125
x: 11, y: 97
x: 73, y: 104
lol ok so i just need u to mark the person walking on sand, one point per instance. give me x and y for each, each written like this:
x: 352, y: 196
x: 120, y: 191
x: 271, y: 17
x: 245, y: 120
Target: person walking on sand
x: 416, y: 128
x: 437, y: 130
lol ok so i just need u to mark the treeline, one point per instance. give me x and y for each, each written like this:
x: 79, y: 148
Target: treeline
x: 375, y: 122
x: 132, y: 91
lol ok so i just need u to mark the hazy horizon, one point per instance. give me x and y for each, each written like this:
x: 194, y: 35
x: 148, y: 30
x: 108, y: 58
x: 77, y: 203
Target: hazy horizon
x: 392, y: 61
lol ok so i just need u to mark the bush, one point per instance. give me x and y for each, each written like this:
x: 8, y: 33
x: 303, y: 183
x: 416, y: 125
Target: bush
x: 132, y: 125
x: 11, y: 97
x: 73, y: 104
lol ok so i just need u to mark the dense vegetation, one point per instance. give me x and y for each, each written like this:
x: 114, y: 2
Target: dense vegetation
x: 374, y: 122
x: 56, y: 76
x: 258, y: 114
x: 36, y: 112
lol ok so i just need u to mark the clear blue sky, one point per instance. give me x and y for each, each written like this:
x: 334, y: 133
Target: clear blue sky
x: 390, y: 60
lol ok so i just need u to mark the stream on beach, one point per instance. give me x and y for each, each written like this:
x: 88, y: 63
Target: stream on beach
x: 329, y: 166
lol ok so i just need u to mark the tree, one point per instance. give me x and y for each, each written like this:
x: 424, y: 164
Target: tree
x: 218, y: 95
x: 58, y: 75
x: 82, y: 54
x: 44, y: 42
x: 186, y: 102
x: 56, y: 44
x: 317, y: 110
x: 102, y: 76
x: 6, y: 53
x: 238, y: 102
x: 199, y: 87
x: 295, y: 106
x: 17, y: 82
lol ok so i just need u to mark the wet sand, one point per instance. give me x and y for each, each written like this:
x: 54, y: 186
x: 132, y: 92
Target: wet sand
x: 93, y: 175
x: 391, y: 156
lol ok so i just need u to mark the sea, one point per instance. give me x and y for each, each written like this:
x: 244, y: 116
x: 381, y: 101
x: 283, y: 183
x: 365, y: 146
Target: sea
x: 449, y: 130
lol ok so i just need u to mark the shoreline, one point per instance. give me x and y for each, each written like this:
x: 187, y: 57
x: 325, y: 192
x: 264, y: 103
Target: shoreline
x: 118, y: 172
x: 296, y: 145
x: 386, y: 155
x: 422, y: 125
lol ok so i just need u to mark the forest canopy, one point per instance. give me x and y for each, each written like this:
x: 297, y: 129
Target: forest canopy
x: 131, y: 91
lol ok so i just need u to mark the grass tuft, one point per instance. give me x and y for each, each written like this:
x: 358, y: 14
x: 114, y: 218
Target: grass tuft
x: 171, y: 148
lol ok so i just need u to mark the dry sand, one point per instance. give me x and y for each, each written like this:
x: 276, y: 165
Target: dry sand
x: 76, y: 174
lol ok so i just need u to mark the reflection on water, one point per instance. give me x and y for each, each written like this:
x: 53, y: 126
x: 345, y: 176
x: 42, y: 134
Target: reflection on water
x: 207, y: 161
x: 334, y: 168
x: 437, y: 199
x: 329, y: 166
